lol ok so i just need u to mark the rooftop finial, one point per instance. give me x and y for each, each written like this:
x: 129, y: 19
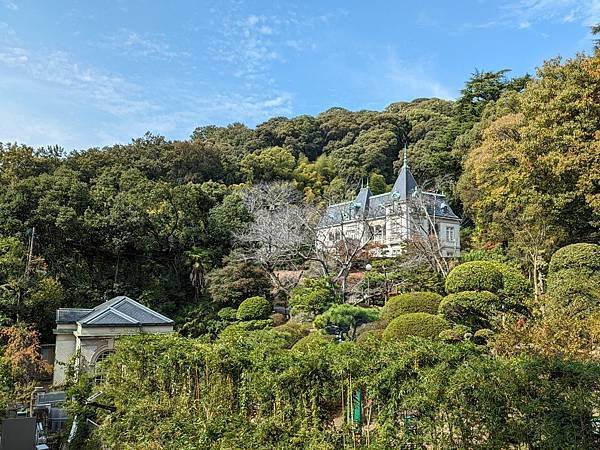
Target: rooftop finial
x: 405, y: 155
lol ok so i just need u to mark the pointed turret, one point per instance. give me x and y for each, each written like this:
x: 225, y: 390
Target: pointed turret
x: 405, y: 184
x: 361, y: 202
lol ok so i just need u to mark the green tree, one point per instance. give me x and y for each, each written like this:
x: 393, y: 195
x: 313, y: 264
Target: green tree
x: 344, y: 319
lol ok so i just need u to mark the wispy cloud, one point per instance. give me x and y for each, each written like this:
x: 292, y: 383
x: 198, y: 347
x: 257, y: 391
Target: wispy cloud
x: 248, y: 45
x: 412, y: 80
x: 524, y: 14
x: 10, y: 5
x: 142, y: 45
x: 587, y: 12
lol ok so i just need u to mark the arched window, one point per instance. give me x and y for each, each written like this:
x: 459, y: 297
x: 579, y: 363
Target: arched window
x: 98, y: 360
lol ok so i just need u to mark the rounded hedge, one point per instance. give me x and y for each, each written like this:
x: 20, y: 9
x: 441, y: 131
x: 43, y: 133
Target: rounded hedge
x: 475, y: 276
x: 575, y: 289
x: 313, y: 341
x: 411, y: 302
x: 254, y: 308
x: 576, y: 256
x: 415, y: 324
x: 470, y: 308
x: 514, y: 285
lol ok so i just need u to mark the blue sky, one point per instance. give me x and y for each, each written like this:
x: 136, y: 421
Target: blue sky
x: 81, y: 73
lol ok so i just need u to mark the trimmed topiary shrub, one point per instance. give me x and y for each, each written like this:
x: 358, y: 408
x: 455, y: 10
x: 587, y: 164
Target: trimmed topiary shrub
x: 580, y: 291
x: 313, y: 341
x: 411, y: 302
x: 491, y: 276
x: 514, y: 285
x: 474, y: 276
x: 369, y: 335
x: 576, y: 256
x: 343, y: 319
x: 416, y: 324
x: 470, y: 308
x: 250, y: 325
x: 254, y: 308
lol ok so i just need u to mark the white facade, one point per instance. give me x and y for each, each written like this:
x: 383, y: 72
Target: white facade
x: 389, y: 221
x: 83, y: 336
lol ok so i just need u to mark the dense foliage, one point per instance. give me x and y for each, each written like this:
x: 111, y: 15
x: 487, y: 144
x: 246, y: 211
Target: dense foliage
x: 415, y: 324
x: 411, y: 302
x: 212, y: 232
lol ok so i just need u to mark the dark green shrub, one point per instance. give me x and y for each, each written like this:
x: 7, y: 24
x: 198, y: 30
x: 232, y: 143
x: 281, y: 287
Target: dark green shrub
x: 344, y: 319
x: 474, y: 276
x: 411, y: 302
x: 470, y: 308
x: 254, y: 308
x: 228, y: 314
x: 515, y: 286
x: 576, y: 256
x: 415, y: 324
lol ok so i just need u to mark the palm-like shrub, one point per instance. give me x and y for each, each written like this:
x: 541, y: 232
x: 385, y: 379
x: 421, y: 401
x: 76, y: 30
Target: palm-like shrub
x: 411, y: 302
x: 416, y: 324
x: 254, y: 308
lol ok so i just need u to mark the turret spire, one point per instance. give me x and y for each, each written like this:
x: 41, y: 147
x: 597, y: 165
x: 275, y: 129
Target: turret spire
x: 405, y: 155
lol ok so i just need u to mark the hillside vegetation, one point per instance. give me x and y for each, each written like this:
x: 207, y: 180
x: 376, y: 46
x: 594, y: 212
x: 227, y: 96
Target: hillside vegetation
x: 501, y: 353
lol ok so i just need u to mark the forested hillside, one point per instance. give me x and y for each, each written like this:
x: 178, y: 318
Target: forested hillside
x: 168, y: 223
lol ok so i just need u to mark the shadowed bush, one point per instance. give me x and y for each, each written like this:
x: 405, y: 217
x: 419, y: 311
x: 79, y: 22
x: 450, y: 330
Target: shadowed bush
x: 470, y: 308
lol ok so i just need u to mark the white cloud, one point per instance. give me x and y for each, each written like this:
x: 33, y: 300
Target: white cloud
x: 142, y: 45
x: 10, y: 5
x: 586, y: 12
x: 406, y: 80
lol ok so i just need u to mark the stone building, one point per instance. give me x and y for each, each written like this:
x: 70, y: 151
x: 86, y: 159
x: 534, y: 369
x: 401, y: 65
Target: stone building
x: 391, y: 220
x: 92, y: 332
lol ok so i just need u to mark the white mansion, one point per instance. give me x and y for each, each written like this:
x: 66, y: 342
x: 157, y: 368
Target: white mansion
x: 391, y: 220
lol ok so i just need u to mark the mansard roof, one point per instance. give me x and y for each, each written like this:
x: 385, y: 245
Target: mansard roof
x: 369, y: 206
x: 119, y: 311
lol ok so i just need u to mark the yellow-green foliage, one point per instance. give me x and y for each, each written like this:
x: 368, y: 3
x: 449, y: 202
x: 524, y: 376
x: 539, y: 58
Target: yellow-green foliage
x: 574, y: 277
x: 415, y: 324
x: 576, y: 256
x: 411, y: 302
x: 254, y: 308
x: 313, y: 341
x: 474, y: 276
x: 490, y: 276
